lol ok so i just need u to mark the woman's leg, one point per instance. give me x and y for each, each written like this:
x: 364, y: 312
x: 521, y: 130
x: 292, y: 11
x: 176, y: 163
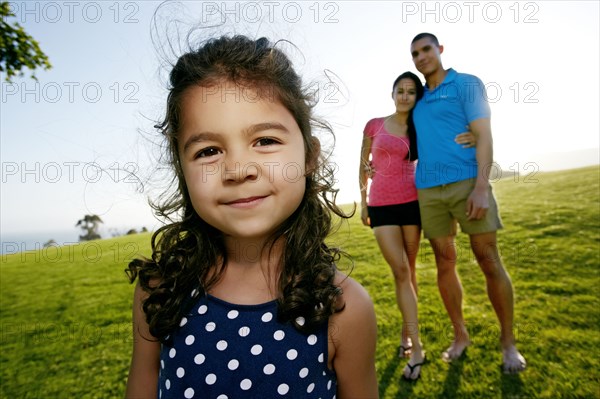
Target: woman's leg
x: 412, y: 239
x: 391, y: 243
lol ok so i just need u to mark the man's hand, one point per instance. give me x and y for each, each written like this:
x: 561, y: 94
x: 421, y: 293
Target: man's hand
x: 466, y: 139
x: 478, y: 203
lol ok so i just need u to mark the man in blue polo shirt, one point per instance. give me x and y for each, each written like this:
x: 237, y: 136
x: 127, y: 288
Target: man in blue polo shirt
x: 453, y: 186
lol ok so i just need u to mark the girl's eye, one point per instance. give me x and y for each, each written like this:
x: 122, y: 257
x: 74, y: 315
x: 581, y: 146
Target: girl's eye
x: 206, y: 152
x: 265, y: 141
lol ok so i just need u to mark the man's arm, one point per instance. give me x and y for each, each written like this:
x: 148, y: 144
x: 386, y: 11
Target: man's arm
x: 478, y: 201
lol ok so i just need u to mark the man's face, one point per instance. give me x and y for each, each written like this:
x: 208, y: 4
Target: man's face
x: 426, y: 56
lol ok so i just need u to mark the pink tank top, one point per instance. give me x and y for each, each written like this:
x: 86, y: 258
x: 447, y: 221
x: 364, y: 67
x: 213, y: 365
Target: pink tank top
x: 394, y: 178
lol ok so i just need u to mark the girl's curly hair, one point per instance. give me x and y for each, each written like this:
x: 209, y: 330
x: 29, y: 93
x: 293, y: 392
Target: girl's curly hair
x: 189, y: 256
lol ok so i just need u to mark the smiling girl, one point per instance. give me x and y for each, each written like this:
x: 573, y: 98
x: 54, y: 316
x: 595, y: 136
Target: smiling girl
x: 242, y: 297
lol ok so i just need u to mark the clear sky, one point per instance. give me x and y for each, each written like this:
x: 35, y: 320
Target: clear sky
x: 81, y: 140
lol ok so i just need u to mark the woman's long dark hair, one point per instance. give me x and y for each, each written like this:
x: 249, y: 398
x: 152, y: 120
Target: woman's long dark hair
x: 413, y: 153
x: 188, y: 255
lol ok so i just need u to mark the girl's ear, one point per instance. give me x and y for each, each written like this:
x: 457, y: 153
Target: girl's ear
x: 312, y: 159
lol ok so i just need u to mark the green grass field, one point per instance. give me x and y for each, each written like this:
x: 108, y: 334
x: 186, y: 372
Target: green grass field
x: 65, y: 311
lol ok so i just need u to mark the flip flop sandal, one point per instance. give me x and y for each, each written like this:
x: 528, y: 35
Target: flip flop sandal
x: 412, y: 368
x: 404, y: 351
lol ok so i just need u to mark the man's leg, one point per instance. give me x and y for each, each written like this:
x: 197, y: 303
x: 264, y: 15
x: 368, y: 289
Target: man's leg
x: 500, y: 292
x: 451, y: 293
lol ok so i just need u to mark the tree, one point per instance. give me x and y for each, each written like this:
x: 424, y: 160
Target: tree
x: 50, y: 242
x: 89, y: 224
x: 18, y: 50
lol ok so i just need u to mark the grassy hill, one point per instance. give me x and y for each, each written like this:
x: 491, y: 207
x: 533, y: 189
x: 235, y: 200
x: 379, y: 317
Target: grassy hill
x: 65, y: 311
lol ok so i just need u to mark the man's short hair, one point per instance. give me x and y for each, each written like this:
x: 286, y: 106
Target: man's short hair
x: 426, y: 35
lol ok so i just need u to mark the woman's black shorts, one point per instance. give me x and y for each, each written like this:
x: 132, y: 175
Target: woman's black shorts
x: 395, y: 215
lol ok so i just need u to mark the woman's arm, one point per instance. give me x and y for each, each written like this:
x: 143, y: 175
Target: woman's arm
x: 363, y: 177
x: 143, y: 373
x: 353, y: 332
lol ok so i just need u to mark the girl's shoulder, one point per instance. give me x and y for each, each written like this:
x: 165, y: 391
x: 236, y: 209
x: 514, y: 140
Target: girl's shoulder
x: 355, y: 301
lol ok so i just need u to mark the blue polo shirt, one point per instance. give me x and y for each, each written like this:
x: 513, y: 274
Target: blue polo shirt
x: 439, y: 116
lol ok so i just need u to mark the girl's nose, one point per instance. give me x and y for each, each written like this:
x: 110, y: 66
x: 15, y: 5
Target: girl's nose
x: 240, y: 170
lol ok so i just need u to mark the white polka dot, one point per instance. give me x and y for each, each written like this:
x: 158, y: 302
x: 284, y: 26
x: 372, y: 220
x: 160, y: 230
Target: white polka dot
x: 183, y: 322
x: 269, y: 369
x: 199, y: 358
x: 222, y: 397
x: 222, y: 345
x: 300, y: 320
x: 193, y: 292
x: 210, y: 326
x: 172, y: 353
x: 168, y: 384
x: 246, y: 384
x: 202, y: 309
x: 244, y: 331
x: 159, y: 393
x: 303, y: 373
x: 267, y: 317
x: 292, y: 354
x: 180, y: 372
x: 189, y: 393
x: 279, y: 335
x: 189, y: 339
x: 329, y: 385
x: 233, y: 314
x: 162, y: 364
x: 210, y: 379
x: 256, y: 350
x: 312, y: 339
x: 283, y: 389
x: 310, y: 388
x: 321, y: 358
x: 233, y: 364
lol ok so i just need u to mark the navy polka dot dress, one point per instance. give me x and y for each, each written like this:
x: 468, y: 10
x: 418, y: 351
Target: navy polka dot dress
x: 227, y: 351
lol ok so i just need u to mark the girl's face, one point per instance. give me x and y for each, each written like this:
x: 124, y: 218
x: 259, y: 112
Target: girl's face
x: 405, y: 95
x: 243, y: 159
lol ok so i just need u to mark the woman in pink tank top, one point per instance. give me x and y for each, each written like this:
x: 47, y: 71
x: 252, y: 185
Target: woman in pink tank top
x: 391, y: 207
x: 389, y: 204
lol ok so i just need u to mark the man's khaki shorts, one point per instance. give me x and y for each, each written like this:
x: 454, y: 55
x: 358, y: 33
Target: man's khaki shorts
x: 442, y: 206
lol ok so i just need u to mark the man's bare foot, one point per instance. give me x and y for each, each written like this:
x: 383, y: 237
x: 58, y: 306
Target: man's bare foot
x: 512, y: 361
x: 455, y: 350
